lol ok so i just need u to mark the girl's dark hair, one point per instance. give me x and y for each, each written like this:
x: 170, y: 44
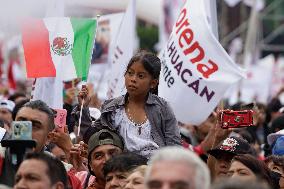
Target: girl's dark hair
x: 258, y: 167
x: 150, y: 62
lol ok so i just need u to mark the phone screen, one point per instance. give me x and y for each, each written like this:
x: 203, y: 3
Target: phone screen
x: 21, y: 130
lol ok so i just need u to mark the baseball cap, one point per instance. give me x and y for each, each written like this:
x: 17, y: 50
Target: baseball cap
x: 232, y: 145
x: 278, y: 148
x: 104, y: 137
x: 8, y: 104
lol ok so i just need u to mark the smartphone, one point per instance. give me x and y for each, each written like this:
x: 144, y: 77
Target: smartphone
x: 60, y: 119
x: 22, y: 130
x: 236, y: 119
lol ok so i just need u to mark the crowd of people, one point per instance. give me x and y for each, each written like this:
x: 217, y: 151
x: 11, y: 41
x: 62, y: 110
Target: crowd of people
x: 135, y: 141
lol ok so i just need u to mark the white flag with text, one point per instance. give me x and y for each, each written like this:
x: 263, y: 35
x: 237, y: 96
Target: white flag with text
x: 196, y: 70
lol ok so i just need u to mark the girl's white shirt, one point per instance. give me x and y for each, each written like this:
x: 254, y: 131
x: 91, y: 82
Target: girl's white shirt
x: 137, y: 138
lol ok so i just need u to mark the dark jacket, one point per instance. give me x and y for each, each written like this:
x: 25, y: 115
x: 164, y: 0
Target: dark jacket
x: 164, y: 128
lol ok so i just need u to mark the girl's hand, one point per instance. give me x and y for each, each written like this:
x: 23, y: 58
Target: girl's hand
x: 84, y: 95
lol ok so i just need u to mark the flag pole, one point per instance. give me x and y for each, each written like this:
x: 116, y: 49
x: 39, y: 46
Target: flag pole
x: 80, y: 118
x: 82, y: 105
x: 33, y: 89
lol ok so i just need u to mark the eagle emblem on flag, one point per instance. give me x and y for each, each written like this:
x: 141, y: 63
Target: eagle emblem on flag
x: 61, y: 46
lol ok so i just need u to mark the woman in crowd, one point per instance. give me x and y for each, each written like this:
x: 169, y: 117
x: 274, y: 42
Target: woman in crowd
x: 248, y: 168
x: 276, y: 166
x: 135, y: 179
x: 275, y: 163
x: 237, y: 184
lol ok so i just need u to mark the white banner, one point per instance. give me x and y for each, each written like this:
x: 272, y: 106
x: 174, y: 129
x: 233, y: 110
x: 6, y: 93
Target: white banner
x: 259, y: 4
x: 232, y: 3
x: 278, y: 76
x: 170, y: 12
x: 123, y: 51
x: 257, y: 85
x: 211, y: 12
x: 99, y: 71
x: 108, y: 26
x: 196, y: 70
x: 49, y: 90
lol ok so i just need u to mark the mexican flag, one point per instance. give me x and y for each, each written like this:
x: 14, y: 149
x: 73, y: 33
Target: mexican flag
x: 55, y: 46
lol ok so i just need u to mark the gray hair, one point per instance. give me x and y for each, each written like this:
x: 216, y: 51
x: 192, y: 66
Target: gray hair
x: 178, y: 154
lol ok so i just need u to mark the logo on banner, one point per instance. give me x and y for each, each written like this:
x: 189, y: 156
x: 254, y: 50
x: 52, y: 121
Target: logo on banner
x: 61, y: 46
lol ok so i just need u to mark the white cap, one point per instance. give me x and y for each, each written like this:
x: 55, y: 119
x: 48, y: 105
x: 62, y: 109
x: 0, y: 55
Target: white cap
x: 95, y: 113
x: 8, y: 104
x: 271, y: 138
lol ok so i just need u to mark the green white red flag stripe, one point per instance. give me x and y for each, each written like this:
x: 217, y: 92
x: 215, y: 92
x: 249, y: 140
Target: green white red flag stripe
x: 55, y: 46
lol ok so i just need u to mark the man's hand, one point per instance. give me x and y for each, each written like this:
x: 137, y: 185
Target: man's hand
x: 62, y: 140
x: 215, y: 136
x: 78, y: 153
